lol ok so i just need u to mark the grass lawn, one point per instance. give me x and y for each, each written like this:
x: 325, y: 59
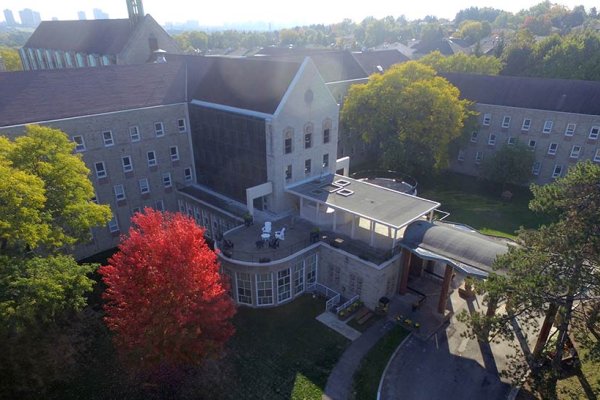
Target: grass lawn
x: 585, y: 385
x: 366, y: 379
x: 283, y: 353
x: 479, y: 205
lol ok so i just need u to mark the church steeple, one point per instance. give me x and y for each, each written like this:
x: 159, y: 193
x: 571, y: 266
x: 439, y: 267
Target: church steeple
x: 135, y: 8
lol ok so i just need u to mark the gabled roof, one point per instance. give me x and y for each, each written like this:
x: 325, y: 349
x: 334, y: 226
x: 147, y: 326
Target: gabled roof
x: 371, y: 60
x: 101, y: 36
x: 36, y: 96
x: 255, y: 84
x: 564, y: 95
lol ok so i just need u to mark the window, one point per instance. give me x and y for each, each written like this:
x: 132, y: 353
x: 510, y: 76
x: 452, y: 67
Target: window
x: 474, y: 135
x: 284, y: 285
x: 288, y: 172
x: 298, y: 277
x: 557, y: 171
x: 167, y: 180
x: 174, y: 153
x: 326, y: 135
x: 593, y: 133
x: 119, y: 192
x: 244, y: 287
x: 134, y: 133
x: 511, y: 140
x: 159, y: 129
x: 461, y: 155
x: 288, y: 146
x: 108, y: 138
x: 325, y: 160
x: 187, y: 174
x: 506, y: 121
x: 575, y: 150
x: 311, y: 269
x: 492, y: 139
x: 552, y: 148
x: 159, y: 205
x: 570, y: 130
x: 478, y: 157
x: 127, y: 164
x: 535, y: 169
x: 79, y: 143
x: 307, y: 167
x: 264, y: 288
x: 100, y: 169
x: 532, y: 144
x: 526, y: 124
x: 113, y: 225
x: 487, y: 118
x: 152, y: 158
x: 548, y: 126
x: 307, y: 140
x: 597, y: 155
x: 144, y: 186
x: 181, y: 125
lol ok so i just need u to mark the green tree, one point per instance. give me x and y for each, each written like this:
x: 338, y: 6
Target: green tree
x: 462, y: 63
x: 68, y: 213
x: 554, y: 268
x: 408, y: 106
x: 11, y: 59
x: 474, y: 31
x: 510, y: 164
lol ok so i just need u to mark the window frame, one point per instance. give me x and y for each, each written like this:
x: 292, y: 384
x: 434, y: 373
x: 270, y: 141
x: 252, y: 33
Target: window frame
x: 144, y: 186
x: 597, y: 155
x: 506, y: 121
x: 307, y: 166
x: 181, y: 125
x: 167, y: 180
x: 532, y: 148
x: 560, y: 168
x: 570, y: 131
x: 487, y: 119
x: 119, y: 192
x: 152, y: 162
x: 461, y: 155
x: 577, y: 154
x: 492, y: 139
x: 474, y: 136
x: 187, y: 177
x: 325, y: 163
x: 134, y: 133
x: 536, y: 167
x: 174, y: 156
x: 159, y: 129
x: 552, y: 148
x: 108, y: 141
x: 307, y: 140
x: 326, y: 135
x: 548, y: 129
x: 478, y: 157
x: 594, y: 132
x: 79, y: 147
x: 526, y: 124
x: 288, y: 172
x: 127, y: 167
x: 113, y: 225
x: 103, y: 173
x: 511, y: 140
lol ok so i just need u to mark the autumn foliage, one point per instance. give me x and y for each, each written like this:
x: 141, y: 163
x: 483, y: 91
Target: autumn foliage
x: 166, y: 304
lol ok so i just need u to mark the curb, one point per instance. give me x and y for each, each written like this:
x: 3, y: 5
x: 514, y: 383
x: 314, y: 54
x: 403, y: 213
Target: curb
x: 410, y: 335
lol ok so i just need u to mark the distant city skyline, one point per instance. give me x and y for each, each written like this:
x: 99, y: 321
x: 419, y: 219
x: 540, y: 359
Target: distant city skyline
x: 268, y: 11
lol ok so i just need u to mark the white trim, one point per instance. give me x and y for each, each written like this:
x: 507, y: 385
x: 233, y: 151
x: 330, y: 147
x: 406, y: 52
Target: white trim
x: 236, y: 110
x: 290, y: 88
x: 348, y: 80
x: 90, y: 115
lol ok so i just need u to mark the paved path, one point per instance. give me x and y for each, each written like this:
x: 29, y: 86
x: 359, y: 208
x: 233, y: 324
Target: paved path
x: 339, y: 383
x: 332, y: 321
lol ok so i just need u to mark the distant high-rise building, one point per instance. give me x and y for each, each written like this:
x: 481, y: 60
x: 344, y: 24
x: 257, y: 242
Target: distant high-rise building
x: 10, y: 18
x: 30, y: 18
x: 99, y: 14
x: 81, y: 15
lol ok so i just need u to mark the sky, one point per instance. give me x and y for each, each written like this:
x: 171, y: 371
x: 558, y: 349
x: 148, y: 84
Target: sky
x: 280, y: 12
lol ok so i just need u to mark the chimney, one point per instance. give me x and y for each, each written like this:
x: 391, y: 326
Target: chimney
x: 135, y: 8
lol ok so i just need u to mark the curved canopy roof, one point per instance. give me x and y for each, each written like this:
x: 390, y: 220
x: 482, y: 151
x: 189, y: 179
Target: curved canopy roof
x: 462, y: 247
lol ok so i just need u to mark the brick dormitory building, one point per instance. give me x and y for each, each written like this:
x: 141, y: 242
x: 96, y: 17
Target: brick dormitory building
x: 223, y: 138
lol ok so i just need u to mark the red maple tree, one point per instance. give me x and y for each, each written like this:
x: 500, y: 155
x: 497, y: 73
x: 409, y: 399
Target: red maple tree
x: 166, y: 302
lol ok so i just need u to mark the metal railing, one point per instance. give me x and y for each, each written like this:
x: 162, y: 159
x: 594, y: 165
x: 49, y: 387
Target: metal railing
x: 330, y: 294
x: 347, y: 304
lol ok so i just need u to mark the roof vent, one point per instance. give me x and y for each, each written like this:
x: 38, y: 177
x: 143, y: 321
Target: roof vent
x: 345, y: 192
x: 341, y: 182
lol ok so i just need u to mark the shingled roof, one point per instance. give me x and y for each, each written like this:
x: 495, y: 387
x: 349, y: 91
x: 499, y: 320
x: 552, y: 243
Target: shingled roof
x: 255, y: 84
x: 36, y: 96
x: 563, y: 95
x: 102, y: 36
x: 371, y: 60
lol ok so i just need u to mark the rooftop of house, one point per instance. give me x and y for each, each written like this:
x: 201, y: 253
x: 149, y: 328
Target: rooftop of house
x: 100, y: 36
x: 37, y: 96
x: 372, y: 61
x: 385, y: 206
x: 563, y: 95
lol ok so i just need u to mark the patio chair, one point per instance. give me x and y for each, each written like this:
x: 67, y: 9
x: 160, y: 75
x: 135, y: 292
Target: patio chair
x: 280, y: 234
x: 267, y: 227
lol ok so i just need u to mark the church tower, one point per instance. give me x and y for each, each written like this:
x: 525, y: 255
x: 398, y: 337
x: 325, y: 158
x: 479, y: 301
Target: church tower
x: 135, y: 8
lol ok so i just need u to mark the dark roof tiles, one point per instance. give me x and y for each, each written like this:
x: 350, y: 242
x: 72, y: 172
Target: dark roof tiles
x: 563, y: 95
x: 103, y: 36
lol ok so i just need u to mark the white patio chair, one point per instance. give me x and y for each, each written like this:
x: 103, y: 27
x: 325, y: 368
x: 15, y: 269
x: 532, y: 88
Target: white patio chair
x: 280, y: 234
x: 267, y: 227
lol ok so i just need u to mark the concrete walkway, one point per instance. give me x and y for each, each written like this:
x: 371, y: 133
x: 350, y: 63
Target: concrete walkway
x: 333, y: 322
x: 339, y: 383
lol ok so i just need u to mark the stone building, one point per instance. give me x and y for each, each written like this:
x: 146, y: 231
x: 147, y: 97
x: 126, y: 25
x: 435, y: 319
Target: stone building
x: 95, y: 43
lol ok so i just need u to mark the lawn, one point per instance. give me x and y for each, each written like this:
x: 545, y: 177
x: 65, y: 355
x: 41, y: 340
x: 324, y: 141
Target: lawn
x: 366, y: 379
x: 479, y: 205
x: 283, y: 353
x: 278, y: 353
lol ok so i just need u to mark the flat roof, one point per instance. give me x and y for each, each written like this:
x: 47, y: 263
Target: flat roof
x: 382, y: 205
